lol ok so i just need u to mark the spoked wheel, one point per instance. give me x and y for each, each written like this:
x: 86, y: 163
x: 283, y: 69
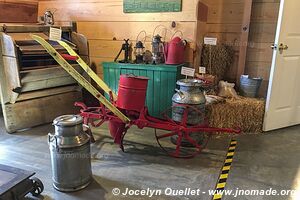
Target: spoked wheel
x: 38, y: 187
x: 188, y: 140
x: 178, y: 148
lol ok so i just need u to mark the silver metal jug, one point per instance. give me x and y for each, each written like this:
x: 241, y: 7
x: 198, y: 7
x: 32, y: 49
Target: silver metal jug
x: 191, y: 93
x: 70, y: 154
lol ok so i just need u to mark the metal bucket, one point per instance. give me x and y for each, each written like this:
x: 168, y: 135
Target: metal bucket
x: 70, y: 154
x: 250, y: 86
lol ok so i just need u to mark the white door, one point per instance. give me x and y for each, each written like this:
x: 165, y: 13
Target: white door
x: 283, y: 101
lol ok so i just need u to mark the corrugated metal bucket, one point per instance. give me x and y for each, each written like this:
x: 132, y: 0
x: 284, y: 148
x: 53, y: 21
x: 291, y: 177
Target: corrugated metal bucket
x: 250, y: 86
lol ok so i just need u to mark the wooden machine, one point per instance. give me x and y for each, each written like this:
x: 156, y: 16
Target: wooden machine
x: 34, y: 89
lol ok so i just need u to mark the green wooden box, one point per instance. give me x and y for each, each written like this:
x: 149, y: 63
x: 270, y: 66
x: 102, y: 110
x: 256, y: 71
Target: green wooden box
x: 161, y: 86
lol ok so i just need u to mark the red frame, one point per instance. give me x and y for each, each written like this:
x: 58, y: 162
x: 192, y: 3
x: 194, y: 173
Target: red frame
x: 143, y: 119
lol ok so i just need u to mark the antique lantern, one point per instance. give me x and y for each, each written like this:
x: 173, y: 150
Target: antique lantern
x: 157, y: 50
x: 139, y: 52
x: 48, y: 18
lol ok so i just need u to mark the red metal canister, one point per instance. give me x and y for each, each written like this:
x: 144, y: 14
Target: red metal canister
x: 132, y: 92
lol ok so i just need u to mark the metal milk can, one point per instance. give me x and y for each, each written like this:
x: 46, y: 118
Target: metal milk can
x: 70, y: 154
x: 191, y: 93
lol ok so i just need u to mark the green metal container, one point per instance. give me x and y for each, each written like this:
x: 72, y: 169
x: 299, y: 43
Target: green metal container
x: 161, y: 86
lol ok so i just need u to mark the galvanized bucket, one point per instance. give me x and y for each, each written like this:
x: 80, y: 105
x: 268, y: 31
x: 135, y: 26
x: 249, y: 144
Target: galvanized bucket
x: 250, y: 86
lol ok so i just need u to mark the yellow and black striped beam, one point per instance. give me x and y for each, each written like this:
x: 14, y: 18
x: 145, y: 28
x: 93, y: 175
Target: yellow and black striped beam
x: 225, y: 171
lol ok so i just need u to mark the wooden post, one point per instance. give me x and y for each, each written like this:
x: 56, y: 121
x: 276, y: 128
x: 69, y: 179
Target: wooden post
x: 244, y: 40
x: 202, y: 15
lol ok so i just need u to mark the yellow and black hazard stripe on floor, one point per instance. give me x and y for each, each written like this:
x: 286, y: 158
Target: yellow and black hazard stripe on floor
x: 225, y: 171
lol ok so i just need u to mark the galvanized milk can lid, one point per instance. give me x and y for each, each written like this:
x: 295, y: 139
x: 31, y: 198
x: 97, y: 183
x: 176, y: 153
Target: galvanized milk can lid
x: 68, y: 120
x: 190, y: 83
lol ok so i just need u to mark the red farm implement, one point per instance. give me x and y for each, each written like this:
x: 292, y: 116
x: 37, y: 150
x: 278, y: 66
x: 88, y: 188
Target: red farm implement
x: 128, y: 109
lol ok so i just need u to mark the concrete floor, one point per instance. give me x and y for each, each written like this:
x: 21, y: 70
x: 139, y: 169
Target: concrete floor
x: 269, y: 160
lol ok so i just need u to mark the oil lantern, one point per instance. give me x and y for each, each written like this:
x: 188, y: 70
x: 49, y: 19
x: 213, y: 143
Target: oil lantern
x: 139, y: 52
x: 157, y: 50
x: 48, y: 18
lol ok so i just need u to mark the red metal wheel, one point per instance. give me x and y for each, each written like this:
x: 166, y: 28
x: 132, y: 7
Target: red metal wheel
x: 184, y: 142
x: 177, y: 149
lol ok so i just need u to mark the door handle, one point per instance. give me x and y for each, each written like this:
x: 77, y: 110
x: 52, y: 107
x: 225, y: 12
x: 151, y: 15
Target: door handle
x: 283, y: 47
x: 274, y: 46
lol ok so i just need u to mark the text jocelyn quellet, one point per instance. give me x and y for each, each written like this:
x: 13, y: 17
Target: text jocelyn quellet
x: 168, y: 192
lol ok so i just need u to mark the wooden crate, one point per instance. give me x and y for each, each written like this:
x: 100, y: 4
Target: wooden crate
x: 30, y: 113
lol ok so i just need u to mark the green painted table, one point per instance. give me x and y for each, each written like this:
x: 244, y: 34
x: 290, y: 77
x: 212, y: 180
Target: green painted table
x: 161, y: 86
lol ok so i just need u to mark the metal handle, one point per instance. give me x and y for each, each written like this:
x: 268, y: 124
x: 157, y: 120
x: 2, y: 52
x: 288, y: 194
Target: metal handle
x: 274, y: 46
x: 283, y: 47
x: 86, y: 126
x: 180, y: 93
x: 89, y: 133
x: 51, y: 138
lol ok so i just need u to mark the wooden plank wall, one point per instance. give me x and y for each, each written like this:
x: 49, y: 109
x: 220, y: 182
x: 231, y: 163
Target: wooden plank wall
x: 105, y: 25
x: 224, y: 21
x: 262, y: 35
x: 23, y: 11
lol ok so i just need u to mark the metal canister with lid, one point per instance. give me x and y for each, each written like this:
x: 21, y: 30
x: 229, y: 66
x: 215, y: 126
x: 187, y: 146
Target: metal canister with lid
x: 190, y: 96
x: 70, y: 154
x: 191, y: 93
